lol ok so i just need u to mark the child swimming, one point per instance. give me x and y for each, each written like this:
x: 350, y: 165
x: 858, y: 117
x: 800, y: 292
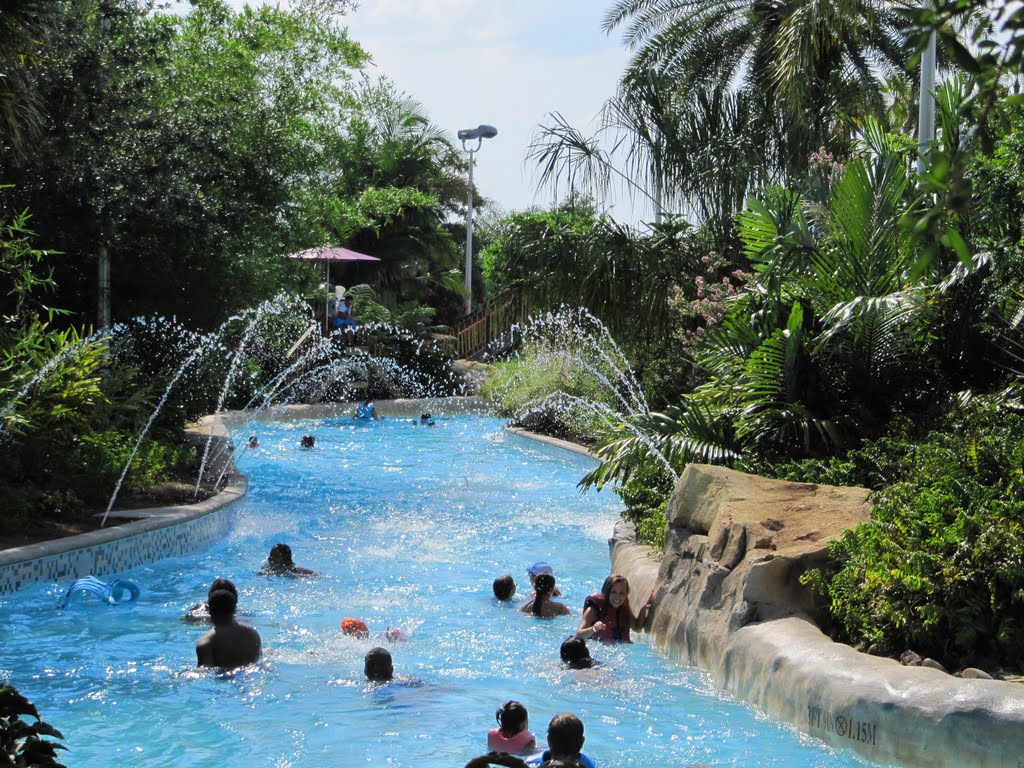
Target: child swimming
x: 512, y: 734
x: 542, y: 605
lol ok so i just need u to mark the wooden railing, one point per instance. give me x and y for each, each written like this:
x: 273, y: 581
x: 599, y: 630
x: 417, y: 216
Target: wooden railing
x: 487, y: 323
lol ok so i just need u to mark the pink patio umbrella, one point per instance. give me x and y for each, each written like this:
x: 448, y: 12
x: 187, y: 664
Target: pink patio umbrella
x: 326, y: 254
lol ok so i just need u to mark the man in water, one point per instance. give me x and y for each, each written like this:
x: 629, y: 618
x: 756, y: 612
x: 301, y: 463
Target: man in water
x: 279, y: 563
x: 230, y: 644
x: 377, y: 666
x: 200, y: 613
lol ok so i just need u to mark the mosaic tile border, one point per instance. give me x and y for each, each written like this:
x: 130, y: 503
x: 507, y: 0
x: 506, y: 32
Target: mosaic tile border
x: 164, y: 532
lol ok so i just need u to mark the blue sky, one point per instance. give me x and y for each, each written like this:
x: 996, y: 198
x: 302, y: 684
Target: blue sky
x: 505, y: 63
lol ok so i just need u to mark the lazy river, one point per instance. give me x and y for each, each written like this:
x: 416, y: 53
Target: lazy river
x: 408, y: 525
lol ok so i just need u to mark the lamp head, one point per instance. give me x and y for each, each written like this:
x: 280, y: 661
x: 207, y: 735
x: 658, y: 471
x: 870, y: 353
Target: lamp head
x: 480, y: 132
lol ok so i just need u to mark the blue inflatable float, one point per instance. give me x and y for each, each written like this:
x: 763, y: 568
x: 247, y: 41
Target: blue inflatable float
x: 117, y: 591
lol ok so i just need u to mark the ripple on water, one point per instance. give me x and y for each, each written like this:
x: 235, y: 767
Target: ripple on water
x: 409, y: 527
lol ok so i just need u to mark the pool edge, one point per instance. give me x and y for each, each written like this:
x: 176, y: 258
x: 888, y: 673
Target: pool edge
x: 160, y: 532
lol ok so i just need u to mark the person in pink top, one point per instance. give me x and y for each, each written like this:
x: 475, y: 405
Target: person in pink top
x: 513, y: 734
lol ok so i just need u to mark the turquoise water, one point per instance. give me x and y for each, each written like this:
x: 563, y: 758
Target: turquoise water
x: 409, y: 526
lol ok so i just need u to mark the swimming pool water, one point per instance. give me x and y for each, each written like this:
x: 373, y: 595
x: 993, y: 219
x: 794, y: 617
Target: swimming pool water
x: 408, y: 525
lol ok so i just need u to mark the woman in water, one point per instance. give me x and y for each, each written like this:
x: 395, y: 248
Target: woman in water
x: 513, y: 734
x: 607, y: 615
x: 542, y: 605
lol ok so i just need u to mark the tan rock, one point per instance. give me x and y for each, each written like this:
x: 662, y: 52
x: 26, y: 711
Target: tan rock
x: 973, y: 673
x: 728, y: 599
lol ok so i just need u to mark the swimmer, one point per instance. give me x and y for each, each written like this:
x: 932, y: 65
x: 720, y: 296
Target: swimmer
x: 504, y: 587
x: 279, y: 563
x: 308, y: 441
x: 367, y: 410
x: 426, y: 417
x: 254, y: 442
x: 575, y: 654
x: 513, y: 732
x: 542, y: 606
x: 536, y: 570
x: 354, y: 628
x: 565, y: 742
x: 230, y: 644
x: 377, y: 665
x: 565, y: 745
x: 607, y: 615
x: 200, y: 613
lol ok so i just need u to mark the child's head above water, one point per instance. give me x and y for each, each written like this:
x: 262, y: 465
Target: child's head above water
x: 575, y: 654
x: 512, y: 718
x: 504, y: 587
x: 565, y: 736
x: 544, y: 584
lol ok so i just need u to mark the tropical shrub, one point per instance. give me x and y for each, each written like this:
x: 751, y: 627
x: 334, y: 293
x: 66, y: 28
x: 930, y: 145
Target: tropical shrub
x: 570, y: 256
x: 71, y: 410
x: 547, y: 393
x: 938, y: 569
x: 24, y: 744
x: 646, y: 496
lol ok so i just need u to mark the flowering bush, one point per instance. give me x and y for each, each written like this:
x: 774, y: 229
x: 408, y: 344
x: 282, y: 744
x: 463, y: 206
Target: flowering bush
x: 823, y: 171
x: 703, y: 307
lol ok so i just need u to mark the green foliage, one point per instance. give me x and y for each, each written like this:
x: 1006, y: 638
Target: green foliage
x: 572, y: 257
x: 569, y: 379
x: 938, y: 569
x: 199, y: 148
x: 723, y: 97
x: 23, y: 744
x: 646, y: 496
x: 547, y: 394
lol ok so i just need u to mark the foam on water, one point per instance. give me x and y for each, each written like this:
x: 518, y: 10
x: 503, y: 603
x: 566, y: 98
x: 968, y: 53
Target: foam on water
x: 409, y: 526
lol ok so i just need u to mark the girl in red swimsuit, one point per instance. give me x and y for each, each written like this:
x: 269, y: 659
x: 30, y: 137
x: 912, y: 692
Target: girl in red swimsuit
x: 607, y: 615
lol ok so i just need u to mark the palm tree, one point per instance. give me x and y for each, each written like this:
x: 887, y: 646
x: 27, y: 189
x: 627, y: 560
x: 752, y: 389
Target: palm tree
x: 802, y: 63
x: 681, y: 154
x: 815, y: 351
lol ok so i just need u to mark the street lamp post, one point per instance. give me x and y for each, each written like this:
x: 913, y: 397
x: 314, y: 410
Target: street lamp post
x: 479, y: 133
x: 926, y: 109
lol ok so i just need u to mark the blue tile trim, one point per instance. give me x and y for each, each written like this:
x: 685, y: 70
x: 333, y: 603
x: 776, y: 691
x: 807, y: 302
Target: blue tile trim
x: 165, y: 532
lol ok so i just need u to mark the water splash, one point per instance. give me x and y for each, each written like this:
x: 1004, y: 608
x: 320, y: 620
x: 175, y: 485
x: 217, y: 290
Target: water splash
x: 579, y: 346
x: 328, y: 369
x: 235, y: 360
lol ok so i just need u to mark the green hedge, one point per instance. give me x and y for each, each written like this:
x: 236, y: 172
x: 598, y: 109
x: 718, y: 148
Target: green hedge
x: 939, y: 569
